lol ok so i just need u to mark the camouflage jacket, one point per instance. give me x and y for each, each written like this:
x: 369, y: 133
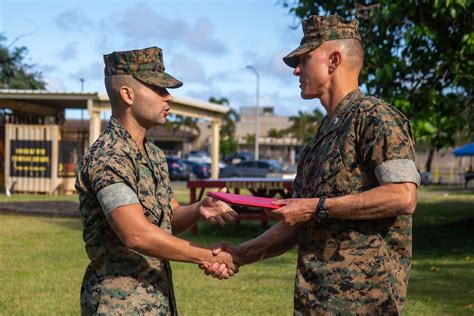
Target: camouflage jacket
x: 349, y: 266
x: 119, y: 280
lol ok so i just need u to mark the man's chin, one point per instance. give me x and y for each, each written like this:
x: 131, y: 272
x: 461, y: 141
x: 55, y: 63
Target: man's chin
x: 162, y: 121
x: 306, y: 97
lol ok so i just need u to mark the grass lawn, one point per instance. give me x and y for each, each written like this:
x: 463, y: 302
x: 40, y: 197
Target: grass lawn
x: 42, y: 261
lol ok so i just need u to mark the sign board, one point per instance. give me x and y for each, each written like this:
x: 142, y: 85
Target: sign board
x: 30, y: 158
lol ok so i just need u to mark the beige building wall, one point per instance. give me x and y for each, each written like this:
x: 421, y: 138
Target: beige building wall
x: 267, y: 121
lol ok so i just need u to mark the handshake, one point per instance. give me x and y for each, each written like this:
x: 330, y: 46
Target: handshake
x: 225, y: 261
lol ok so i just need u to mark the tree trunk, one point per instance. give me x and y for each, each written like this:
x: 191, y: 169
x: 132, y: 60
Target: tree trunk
x: 429, y: 160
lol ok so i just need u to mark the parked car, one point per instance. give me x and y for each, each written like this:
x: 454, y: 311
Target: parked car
x: 199, y: 170
x: 239, y: 157
x: 199, y: 156
x: 178, y: 169
x: 252, y: 169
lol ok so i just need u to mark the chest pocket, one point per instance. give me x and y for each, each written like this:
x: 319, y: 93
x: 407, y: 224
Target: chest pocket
x: 321, y: 165
x: 153, y: 194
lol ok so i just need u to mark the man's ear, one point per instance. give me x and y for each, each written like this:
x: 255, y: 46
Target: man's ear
x: 334, y: 61
x: 127, y: 94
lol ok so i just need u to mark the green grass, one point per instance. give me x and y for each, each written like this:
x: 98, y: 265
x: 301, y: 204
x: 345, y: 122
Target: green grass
x: 42, y: 261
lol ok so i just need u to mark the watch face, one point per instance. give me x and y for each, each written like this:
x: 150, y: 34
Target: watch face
x: 322, y: 211
x: 323, y: 214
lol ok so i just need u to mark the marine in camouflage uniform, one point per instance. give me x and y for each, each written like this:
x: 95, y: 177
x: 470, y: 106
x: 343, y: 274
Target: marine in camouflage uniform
x: 124, y: 171
x: 352, y: 266
x: 118, y: 278
x: 354, y: 191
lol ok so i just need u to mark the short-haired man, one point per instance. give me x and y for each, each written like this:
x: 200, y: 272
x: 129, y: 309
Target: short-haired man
x: 128, y: 209
x: 354, y: 191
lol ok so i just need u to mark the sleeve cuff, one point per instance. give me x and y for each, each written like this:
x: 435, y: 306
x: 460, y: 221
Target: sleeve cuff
x: 116, y: 195
x: 397, y: 171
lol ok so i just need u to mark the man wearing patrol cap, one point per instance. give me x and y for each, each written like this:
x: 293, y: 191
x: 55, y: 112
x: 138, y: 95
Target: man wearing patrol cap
x: 354, y: 191
x: 128, y: 209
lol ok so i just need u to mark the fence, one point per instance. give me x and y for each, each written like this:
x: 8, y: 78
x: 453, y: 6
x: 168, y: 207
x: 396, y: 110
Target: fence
x: 38, y: 161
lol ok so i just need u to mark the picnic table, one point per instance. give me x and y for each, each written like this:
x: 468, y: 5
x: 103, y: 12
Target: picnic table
x: 264, y: 187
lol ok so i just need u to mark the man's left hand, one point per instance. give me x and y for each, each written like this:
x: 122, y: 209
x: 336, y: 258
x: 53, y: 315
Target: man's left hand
x: 217, y: 211
x: 294, y: 212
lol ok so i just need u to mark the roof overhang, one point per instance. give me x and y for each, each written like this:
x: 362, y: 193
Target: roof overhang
x: 51, y: 102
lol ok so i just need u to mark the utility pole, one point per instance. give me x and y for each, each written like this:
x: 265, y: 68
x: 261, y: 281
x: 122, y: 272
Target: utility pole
x: 257, y: 125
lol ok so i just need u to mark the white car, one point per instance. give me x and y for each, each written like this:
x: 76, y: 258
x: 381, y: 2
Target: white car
x: 202, y: 157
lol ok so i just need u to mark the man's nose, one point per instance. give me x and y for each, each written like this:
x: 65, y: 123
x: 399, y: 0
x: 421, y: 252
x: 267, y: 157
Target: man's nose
x: 168, y: 97
x: 297, y: 70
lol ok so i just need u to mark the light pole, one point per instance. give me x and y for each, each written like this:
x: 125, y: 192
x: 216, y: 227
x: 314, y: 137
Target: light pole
x: 252, y: 68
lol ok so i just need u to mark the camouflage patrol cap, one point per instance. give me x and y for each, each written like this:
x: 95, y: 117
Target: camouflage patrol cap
x: 143, y: 64
x: 319, y: 29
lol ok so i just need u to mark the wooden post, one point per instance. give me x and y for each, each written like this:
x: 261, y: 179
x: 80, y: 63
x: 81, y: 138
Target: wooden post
x: 216, y: 126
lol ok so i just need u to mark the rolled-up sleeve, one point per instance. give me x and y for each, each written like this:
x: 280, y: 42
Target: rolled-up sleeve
x: 387, y: 146
x: 116, y: 195
x: 397, y: 171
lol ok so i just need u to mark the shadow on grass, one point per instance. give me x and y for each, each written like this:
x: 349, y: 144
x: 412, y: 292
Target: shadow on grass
x: 443, y: 255
x: 443, y: 228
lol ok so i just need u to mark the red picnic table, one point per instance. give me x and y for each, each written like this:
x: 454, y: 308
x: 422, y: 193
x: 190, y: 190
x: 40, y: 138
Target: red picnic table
x: 264, y: 187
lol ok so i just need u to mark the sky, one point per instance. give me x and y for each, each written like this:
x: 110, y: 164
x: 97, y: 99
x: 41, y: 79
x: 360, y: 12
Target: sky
x: 206, y: 44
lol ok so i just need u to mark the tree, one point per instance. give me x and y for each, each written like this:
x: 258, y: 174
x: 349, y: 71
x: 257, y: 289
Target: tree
x: 419, y: 57
x: 276, y: 133
x: 249, y: 139
x: 304, y: 125
x: 15, y: 73
x: 228, y: 144
x: 184, y: 123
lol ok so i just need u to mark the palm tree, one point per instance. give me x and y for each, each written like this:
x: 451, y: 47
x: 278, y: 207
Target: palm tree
x: 304, y: 125
x: 184, y: 123
x: 228, y: 121
x: 249, y: 139
x: 228, y: 144
x: 276, y: 133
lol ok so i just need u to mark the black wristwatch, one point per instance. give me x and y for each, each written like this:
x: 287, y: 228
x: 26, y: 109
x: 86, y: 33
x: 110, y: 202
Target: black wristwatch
x: 321, y: 210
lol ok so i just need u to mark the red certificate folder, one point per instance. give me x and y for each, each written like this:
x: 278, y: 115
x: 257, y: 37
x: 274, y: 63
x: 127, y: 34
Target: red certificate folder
x: 246, y: 200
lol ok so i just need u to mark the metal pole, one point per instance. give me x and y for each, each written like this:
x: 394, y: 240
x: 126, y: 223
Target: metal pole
x: 257, y: 125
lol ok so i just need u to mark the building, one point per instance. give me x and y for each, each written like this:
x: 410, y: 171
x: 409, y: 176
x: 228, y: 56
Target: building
x: 39, y: 150
x: 282, y: 148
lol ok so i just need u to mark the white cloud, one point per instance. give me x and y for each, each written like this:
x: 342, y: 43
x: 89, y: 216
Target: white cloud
x: 270, y: 64
x: 142, y: 23
x: 94, y: 71
x: 187, y: 69
x: 69, y: 51
x: 54, y: 83
x: 72, y: 20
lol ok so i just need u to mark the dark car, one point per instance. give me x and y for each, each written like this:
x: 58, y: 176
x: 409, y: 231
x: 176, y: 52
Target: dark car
x: 239, y: 157
x: 177, y: 169
x: 199, y: 170
x: 252, y: 169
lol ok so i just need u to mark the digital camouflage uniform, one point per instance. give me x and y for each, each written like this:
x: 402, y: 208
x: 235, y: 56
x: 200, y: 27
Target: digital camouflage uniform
x: 118, y: 280
x: 351, y: 266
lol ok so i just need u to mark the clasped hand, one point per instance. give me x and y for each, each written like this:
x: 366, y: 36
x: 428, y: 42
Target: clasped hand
x: 226, y: 262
